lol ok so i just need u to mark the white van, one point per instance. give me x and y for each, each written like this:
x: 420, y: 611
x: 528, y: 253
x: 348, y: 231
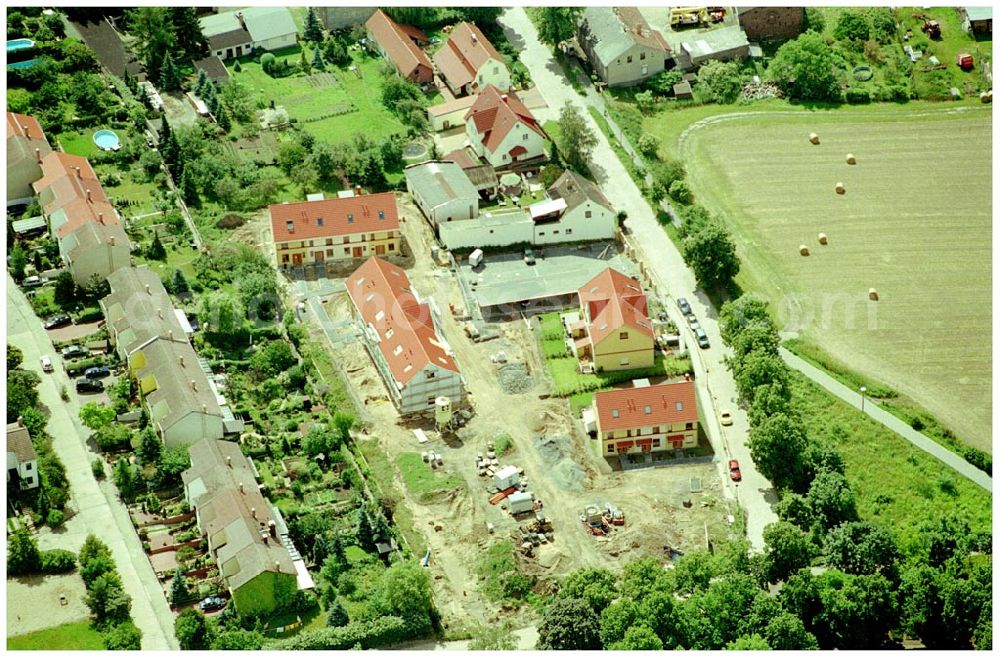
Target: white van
x: 475, y: 258
x: 46, y: 363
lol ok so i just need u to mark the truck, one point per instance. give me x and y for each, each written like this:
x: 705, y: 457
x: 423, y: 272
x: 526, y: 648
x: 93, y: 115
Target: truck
x: 521, y: 502
x: 476, y: 258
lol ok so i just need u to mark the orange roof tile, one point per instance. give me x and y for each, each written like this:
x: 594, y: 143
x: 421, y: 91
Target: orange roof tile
x: 398, y: 46
x: 465, y: 52
x: 22, y: 125
x: 613, y: 300
x: 495, y: 115
x: 80, y: 212
x: 628, y: 408
x: 384, y: 298
x: 70, y: 177
x: 308, y: 220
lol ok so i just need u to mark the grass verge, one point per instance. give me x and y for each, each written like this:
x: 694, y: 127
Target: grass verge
x: 894, y: 484
x: 75, y: 636
x: 423, y: 483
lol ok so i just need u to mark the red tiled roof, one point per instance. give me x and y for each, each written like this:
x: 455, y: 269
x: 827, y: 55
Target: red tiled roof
x: 414, y: 33
x: 640, y: 30
x: 80, y: 212
x: 398, y: 46
x: 465, y: 52
x: 22, y: 125
x: 612, y: 301
x: 330, y: 217
x: 626, y: 408
x: 462, y: 103
x: 462, y: 158
x: 495, y: 115
x: 383, y: 295
x: 68, y: 184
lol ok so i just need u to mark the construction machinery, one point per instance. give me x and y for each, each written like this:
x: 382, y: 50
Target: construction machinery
x: 717, y: 14
x: 613, y: 515
x: 931, y: 28
x: 594, y: 521
x: 688, y: 17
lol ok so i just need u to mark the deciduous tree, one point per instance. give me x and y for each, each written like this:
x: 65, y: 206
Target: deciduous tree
x: 577, y: 138
x: 788, y: 550
x: 191, y: 630
x: 711, y: 254
x: 555, y: 24
x: 777, y: 445
x: 805, y: 69
x: 569, y: 624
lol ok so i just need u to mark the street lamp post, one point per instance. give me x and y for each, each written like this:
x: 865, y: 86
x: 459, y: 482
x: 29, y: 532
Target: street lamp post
x: 863, y: 389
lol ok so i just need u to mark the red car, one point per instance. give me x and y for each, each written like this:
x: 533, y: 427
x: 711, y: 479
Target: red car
x: 734, y: 470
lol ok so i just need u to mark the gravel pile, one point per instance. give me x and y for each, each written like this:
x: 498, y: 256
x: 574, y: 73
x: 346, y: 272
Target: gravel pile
x: 753, y: 91
x: 554, y: 451
x: 514, y: 378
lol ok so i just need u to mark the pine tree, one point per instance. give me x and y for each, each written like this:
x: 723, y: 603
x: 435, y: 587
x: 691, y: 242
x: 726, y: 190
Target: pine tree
x: 170, y: 76
x: 317, y: 62
x: 170, y: 150
x: 222, y: 118
x: 180, y: 283
x: 199, y: 85
x: 365, y: 531
x: 337, y: 550
x: 188, y: 32
x: 178, y: 588
x: 313, y: 31
x: 156, y: 250
x: 18, y: 261
x: 237, y: 67
x: 189, y: 191
x: 304, y: 63
x: 336, y: 614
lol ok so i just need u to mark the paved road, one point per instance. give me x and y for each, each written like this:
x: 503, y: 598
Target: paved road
x: 95, y: 507
x: 853, y: 398
x: 667, y: 269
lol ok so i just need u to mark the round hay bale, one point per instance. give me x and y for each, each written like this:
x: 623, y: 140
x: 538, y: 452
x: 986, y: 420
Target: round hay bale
x: 814, y: 138
x: 840, y: 188
x: 850, y: 159
x: 803, y: 250
x: 873, y: 294
x: 986, y: 96
x: 822, y: 238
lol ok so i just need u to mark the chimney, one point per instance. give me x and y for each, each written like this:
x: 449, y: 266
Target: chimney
x: 253, y: 512
x: 229, y: 461
x: 357, y: 190
x: 264, y: 537
x: 180, y: 359
x: 474, y: 39
x: 204, y: 408
x: 159, y: 314
x: 79, y: 174
x: 38, y: 155
x: 241, y: 487
x: 503, y: 97
x: 241, y: 19
x: 277, y: 565
x: 273, y: 528
x: 149, y: 290
x: 111, y: 240
x: 20, y: 421
x: 194, y: 385
x: 89, y: 200
x: 170, y: 334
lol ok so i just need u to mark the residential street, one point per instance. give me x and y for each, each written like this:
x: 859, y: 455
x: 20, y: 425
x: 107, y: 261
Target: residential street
x: 666, y: 266
x: 94, y: 508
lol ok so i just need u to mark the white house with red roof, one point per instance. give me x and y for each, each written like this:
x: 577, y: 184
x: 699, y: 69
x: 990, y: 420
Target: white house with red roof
x: 468, y: 62
x: 502, y: 130
x: 646, y: 418
x: 613, y: 331
x: 26, y: 146
x: 402, y: 336
x: 354, y: 227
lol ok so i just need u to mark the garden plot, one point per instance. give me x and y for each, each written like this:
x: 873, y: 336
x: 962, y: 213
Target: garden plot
x: 913, y: 226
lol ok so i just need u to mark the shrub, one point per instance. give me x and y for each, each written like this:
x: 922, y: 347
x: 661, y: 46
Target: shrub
x: 55, y: 518
x: 230, y: 221
x: 680, y: 192
x: 380, y: 632
x: 97, y: 468
x: 858, y: 96
x: 648, y: 145
x: 267, y: 62
x: 57, y: 560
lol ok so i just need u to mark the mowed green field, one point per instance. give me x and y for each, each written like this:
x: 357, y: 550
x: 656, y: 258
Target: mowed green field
x: 915, y: 224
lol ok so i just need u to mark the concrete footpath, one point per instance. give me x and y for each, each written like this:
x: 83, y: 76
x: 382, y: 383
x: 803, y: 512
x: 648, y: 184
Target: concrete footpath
x: 93, y: 508
x: 880, y: 415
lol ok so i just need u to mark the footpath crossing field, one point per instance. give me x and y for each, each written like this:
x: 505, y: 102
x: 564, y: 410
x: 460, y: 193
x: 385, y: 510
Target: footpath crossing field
x: 914, y: 223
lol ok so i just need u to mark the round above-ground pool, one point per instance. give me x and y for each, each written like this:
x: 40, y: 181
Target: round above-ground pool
x: 107, y: 140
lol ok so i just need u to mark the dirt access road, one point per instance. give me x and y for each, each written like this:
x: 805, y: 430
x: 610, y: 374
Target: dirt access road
x: 563, y: 470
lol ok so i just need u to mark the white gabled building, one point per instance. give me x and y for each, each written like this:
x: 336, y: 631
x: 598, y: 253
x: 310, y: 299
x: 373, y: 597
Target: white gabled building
x: 442, y: 191
x: 468, y: 62
x: 502, y: 130
x: 401, y: 334
x: 575, y: 211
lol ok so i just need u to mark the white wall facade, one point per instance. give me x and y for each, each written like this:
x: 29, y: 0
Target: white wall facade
x: 447, y: 121
x: 519, y: 135
x: 488, y: 230
x: 493, y: 72
x: 277, y: 43
x: 421, y: 391
x: 575, y: 226
x: 192, y: 428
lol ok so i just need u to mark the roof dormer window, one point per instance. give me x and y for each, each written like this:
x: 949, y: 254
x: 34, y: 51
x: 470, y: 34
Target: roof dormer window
x: 290, y: 226
x: 614, y: 413
x: 381, y: 214
x: 350, y: 218
x: 319, y: 221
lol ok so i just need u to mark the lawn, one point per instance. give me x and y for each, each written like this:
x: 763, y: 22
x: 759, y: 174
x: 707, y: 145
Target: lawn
x: 79, y: 143
x: 75, y: 636
x: 425, y: 484
x: 929, y: 335
x: 920, y: 487
x: 353, y: 96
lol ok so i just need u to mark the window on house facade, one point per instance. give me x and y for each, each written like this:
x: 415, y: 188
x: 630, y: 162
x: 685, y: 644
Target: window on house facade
x: 284, y: 258
x: 569, y: 231
x: 642, y: 55
x: 540, y: 233
x: 622, y: 335
x: 347, y: 250
x: 628, y: 59
x: 524, y: 137
x: 587, y: 214
x: 689, y: 426
x: 624, y: 361
x: 611, y: 447
x: 496, y: 69
x: 329, y: 241
x: 329, y: 252
x: 392, y: 246
x: 555, y: 232
x: 656, y: 443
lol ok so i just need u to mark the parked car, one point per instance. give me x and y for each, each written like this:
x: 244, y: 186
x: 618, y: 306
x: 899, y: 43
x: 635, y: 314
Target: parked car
x: 702, y: 338
x: 693, y: 321
x: 683, y: 305
x: 32, y: 281
x: 84, y: 385
x: 46, y: 363
x: 529, y: 256
x: 211, y: 603
x: 734, y: 470
x: 97, y: 372
x: 726, y: 417
x: 662, y: 316
x: 74, y: 351
x: 59, y: 320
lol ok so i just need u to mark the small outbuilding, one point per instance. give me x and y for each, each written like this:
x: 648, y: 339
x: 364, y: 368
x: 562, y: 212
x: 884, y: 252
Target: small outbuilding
x: 682, y: 90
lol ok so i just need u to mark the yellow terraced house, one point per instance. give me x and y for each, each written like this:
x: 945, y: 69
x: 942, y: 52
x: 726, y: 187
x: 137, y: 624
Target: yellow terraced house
x: 647, y: 418
x: 314, y: 232
x: 614, y: 332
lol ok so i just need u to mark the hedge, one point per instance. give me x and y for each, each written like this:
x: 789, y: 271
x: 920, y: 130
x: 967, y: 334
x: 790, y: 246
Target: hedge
x: 57, y: 560
x: 80, y: 365
x: 368, y: 635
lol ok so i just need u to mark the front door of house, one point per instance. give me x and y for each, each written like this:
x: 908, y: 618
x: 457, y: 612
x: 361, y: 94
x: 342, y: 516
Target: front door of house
x: 319, y: 256
x: 296, y: 259
x: 357, y: 252
x: 380, y: 250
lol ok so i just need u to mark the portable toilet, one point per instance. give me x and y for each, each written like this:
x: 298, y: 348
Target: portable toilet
x: 520, y: 502
x: 506, y: 477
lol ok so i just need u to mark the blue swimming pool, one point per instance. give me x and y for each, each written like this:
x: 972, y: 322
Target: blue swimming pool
x: 15, y: 45
x: 107, y: 140
x: 23, y: 65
